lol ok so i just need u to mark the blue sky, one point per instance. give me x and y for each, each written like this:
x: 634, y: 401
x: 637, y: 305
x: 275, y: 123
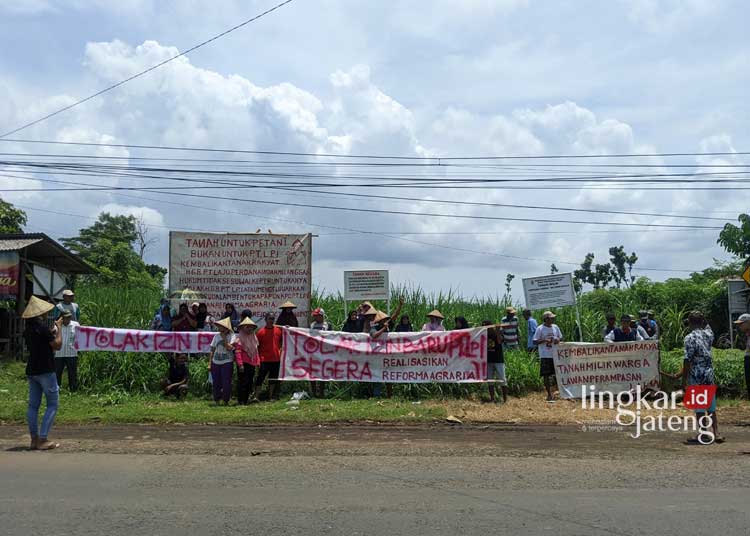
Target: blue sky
x: 473, y: 77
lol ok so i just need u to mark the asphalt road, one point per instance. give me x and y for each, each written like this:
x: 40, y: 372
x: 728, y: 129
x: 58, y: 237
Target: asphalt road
x: 371, y: 480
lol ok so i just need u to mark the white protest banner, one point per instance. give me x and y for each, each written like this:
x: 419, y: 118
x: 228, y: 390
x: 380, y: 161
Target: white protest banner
x: 549, y: 291
x: 609, y: 367
x: 90, y: 338
x: 440, y: 356
x: 253, y: 271
x: 366, y: 285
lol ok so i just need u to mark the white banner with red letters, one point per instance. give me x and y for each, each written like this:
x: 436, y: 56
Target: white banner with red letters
x: 444, y: 357
x: 90, y: 338
x: 608, y: 367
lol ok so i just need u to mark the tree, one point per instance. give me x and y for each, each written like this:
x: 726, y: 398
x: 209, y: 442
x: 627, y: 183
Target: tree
x: 142, y: 240
x: 598, y: 275
x: 622, y: 266
x: 553, y: 269
x: 508, y: 283
x: 736, y: 240
x: 12, y: 219
x: 108, y: 247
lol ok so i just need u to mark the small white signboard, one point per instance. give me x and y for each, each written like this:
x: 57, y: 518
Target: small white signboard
x: 549, y: 291
x: 366, y: 285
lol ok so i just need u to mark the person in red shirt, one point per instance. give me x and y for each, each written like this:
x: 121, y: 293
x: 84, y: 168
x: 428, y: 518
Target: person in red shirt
x: 269, y: 349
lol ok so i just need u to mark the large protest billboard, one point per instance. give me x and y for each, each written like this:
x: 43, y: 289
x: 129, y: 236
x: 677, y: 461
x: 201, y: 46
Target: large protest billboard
x: 253, y: 271
x: 458, y: 356
x: 607, y: 367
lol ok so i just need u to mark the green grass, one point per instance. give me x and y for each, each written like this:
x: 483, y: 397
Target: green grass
x: 119, y: 406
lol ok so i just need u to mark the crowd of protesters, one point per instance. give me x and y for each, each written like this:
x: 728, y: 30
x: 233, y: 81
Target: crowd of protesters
x: 255, y: 352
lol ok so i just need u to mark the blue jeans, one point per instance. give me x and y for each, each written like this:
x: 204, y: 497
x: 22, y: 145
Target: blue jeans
x: 42, y: 384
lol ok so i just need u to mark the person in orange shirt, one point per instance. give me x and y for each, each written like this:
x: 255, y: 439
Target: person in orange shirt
x: 269, y: 349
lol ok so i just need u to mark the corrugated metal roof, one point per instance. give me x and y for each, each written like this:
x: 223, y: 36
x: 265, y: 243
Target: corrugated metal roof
x: 14, y: 244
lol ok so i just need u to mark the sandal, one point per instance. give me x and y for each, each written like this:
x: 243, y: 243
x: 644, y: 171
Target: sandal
x: 47, y: 445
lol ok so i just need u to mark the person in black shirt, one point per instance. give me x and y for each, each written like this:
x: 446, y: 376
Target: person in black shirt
x: 495, y: 362
x: 41, y: 343
x: 404, y: 325
x: 176, y: 382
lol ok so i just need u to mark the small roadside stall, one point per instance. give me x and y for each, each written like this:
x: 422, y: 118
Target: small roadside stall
x: 31, y: 264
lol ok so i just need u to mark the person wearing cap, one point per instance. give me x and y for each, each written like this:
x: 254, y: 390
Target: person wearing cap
x: 42, y: 343
x: 184, y: 320
x: 611, y: 324
x: 221, y: 361
x: 247, y: 358
x: 625, y: 333
x: 547, y: 337
x: 287, y: 317
x: 509, y: 326
x: 531, y: 325
x: 698, y: 369
x: 435, y: 323
x: 270, y: 339
x: 67, y: 355
x: 743, y: 323
x: 647, y: 325
x: 318, y: 389
x: 67, y: 304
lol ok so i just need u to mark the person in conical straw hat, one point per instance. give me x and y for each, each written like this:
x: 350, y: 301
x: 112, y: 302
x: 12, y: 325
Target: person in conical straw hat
x: 221, y: 361
x: 287, y: 316
x: 246, y: 355
x: 42, y: 344
x: 435, y: 323
x: 378, y: 324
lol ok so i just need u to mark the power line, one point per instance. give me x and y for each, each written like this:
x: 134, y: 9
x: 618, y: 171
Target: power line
x: 437, y: 159
x: 153, y: 67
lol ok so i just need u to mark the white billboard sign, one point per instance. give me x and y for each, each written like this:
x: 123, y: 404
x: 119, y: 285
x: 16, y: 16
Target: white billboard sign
x: 366, y: 285
x: 549, y: 291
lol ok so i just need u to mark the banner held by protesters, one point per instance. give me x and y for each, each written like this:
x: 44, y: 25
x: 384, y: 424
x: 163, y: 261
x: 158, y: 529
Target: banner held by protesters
x: 89, y: 338
x: 608, y: 367
x: 442, y: 357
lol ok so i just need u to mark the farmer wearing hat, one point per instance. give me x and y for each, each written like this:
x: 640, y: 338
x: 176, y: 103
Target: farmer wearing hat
x: 42, y: 344
x: 319, y: 323
x: 547, y: 337
x: 68, y: 305
x: 379, y: 325
x: 509, y: 325
x: 287, y: 316
x: 221, y: 361
x: 246, y: 355
x: 67, y: 355
x: 435, y: 321
x: 743, y: 322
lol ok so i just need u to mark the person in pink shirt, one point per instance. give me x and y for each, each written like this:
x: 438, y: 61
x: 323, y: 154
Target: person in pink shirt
x: 247, y: 359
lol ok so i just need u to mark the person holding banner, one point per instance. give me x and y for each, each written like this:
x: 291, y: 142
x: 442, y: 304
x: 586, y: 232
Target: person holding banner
x: 246, y: 355
x: 625, y: 333
x: 269, y: 348
x: 42, y: 344
x: 184, y: 321
x: 611, y: 325
x: 221, y: 361
x: 378, y: 326
x: 495, y: 363
x: 287, y: 317
x: 435, y: 323
x: 163, y: 319
x: 547, y: 337
x: 353, y: 323
x: 319, y: 323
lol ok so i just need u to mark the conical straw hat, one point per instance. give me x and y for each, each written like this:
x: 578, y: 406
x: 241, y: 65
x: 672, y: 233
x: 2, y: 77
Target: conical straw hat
x: 436, y: 314
x: 287, y: 305
x: 248, y: 322
x: 225, y: 323
x: 380, y: 316
x: 36, y: 307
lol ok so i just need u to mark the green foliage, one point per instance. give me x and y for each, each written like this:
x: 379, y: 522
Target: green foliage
x: 736, y: 240
x: 107, y: 245
x: 12, y: 219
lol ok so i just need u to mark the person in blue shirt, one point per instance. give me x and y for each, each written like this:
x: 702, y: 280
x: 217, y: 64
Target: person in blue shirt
x: 531, y: 326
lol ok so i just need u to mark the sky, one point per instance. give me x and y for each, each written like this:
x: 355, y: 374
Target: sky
x: 397, y: 78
